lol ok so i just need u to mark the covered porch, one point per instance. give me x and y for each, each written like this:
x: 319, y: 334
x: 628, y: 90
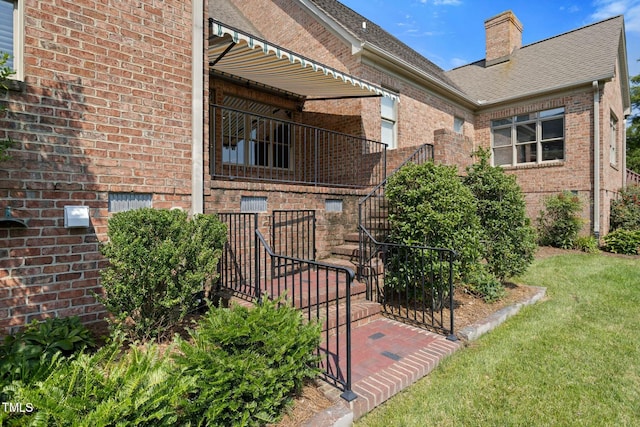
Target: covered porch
x: 261, y: 129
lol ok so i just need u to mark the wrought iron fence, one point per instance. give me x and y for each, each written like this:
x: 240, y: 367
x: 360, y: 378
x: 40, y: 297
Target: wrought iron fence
x: 293, y: 233
x: 236, y: 264
x: 256, y: 147
x: 323, y: 293
x: 413, y: 283
x: 250, y: 268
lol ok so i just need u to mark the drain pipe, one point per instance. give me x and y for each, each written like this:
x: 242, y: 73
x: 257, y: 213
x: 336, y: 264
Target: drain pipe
x: 197, y: 112
x: 596, y: 159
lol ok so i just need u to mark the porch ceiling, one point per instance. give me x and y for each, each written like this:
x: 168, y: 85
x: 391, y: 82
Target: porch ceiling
x: 240, y: 54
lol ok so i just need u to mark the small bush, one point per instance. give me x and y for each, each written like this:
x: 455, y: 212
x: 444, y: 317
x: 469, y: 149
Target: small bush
x: 30, y: 354
x: 484, y: 284
x: 625, y: 211
x: 509, y: 239
x: 158, y: 261
x: 588, y: 244
x: 623, y: 241
x: 247, y: 363
x: 560, y: 222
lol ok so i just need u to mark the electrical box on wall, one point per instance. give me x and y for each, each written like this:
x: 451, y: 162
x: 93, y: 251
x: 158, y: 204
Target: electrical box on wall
x: 76, y: 216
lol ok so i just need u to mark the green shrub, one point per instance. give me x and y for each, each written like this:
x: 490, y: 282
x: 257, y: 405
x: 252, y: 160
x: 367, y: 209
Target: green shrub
x: 139, y: 387
x: 484, y: 284
x: 509, y: 239
x: 30, y: 354
x: 623, y: 241
x: 560, y: 222
x: 588, y: 244
x: 625, y: 211
x: 429, y: 206
x: 247, y: 363
x: 158, y: 261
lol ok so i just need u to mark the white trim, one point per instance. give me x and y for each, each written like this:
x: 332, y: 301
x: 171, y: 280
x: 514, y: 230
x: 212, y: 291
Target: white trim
x: 197, y: 108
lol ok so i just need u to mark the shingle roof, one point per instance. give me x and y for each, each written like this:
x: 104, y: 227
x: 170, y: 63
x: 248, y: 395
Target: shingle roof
x: 375, y: 35
x: 579, y: 56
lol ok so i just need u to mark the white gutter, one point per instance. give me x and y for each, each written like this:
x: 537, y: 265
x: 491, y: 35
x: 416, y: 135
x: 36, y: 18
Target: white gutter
x: 596, y: 159
x: 197, y: 112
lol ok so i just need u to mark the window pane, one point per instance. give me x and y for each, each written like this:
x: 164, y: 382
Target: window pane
x: 387, y: 108
x: 500, y: 122
x: 553, y: 129
x: 458, y: 124
x: 7, y: 30
x: 233, y: 152
x: 526, y: 117
x: 387, y: 133
x: 526, y: 133
x: 526, y: 153
x: 552, y: 113
x: 501, y: 137
x: 553, y: 150
x: 502, y: 156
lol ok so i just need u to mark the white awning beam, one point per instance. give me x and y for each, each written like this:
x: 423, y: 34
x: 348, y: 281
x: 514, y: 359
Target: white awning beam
x: 236, y: 53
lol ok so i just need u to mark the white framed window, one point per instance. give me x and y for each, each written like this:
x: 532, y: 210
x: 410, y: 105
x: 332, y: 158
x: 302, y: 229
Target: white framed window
x: 530, y: 138
x: 11, y: 34
x: 389, y: 119
x: 458, y: 124
x: 613, y: 140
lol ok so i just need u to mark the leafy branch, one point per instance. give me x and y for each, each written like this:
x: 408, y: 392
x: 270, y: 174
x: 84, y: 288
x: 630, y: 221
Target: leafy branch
x: 5, y: 73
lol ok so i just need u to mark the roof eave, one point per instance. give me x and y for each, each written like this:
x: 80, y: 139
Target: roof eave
x: 542, y: 92
x: 624, y: 71
x: 332, y: 25
x: 376, y: 57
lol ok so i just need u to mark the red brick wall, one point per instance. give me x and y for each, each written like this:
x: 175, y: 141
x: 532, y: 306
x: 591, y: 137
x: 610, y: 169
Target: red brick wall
x: 612, y: 175
x: 106, y: 107
x: 331, y: 226
x: 575, y: 173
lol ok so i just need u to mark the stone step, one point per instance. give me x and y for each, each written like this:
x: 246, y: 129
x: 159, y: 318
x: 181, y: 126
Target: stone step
x: 348, y: 251
x: 352, y: 237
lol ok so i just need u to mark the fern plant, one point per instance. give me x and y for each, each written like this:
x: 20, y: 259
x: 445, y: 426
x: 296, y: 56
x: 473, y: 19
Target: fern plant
x: 137, y: 387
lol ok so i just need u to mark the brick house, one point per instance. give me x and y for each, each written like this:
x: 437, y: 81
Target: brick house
x: 282, y: 104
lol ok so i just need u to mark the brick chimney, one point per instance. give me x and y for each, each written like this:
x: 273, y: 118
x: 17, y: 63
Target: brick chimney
x: 503, y: 36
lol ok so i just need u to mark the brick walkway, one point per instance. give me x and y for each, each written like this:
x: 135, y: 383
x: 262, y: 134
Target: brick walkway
x: 388, y: 356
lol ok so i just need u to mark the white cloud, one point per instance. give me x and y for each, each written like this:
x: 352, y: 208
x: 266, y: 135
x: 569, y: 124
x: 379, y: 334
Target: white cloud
x: 629, y: 8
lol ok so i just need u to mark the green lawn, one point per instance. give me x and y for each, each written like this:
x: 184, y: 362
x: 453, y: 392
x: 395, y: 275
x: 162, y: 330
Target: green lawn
x: 572, y: 359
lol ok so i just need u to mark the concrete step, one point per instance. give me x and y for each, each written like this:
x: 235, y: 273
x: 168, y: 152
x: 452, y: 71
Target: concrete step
x: 348, y: 251
x: 362, y: 312
x: 352, y: 237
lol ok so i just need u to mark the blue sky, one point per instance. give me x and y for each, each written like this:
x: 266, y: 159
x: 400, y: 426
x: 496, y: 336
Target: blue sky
x: 450, y: 33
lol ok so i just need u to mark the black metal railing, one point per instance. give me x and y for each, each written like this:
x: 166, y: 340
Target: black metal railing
x: 251, y: 269
x: 323, y: 293
x: 236, y: 264
x: 256, y: 147
x: 413, y: 283
x: 293, y: 233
